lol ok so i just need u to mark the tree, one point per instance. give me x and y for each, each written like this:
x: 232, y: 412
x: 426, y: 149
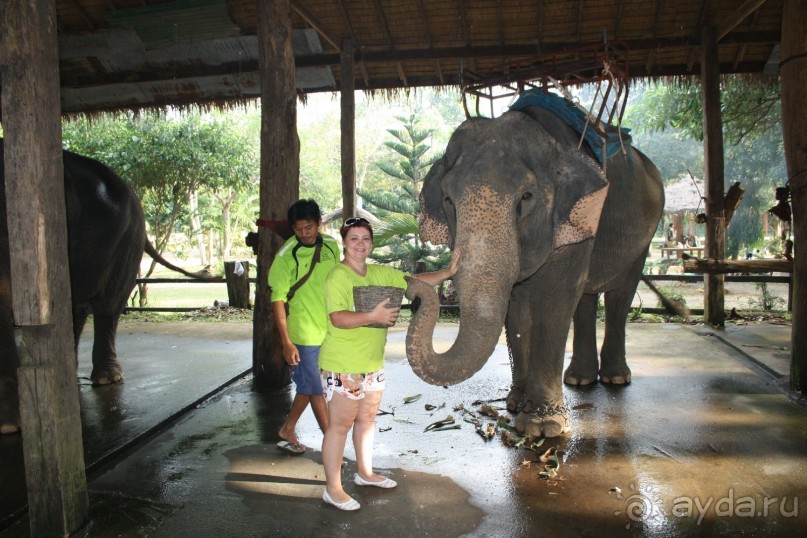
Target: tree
x: 168, y: 160
x: 753, y: 150
x: 408, y: 163
x: 749, y: 108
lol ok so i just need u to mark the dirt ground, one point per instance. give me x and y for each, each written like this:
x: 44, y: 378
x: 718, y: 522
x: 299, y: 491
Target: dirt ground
x: 747, y: 297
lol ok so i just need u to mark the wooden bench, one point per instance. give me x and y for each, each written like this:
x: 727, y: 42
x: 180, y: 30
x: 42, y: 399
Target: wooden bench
x: 676, y: 252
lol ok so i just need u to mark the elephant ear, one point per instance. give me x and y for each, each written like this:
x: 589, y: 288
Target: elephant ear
x: 580, y: 193
x: 432, y: 218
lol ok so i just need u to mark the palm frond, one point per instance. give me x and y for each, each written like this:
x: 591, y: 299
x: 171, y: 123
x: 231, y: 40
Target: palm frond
x: 397, y: 225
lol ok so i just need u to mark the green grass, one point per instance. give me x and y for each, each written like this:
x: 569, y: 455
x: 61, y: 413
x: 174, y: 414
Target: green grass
x: 185, y: 295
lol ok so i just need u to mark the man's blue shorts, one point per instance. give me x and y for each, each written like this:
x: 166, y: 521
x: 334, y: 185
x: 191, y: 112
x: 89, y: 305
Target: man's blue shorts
x: 306, y: 374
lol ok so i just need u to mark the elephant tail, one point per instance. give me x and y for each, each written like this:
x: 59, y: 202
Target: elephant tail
x: 151, y: 251
x: 674, y: 307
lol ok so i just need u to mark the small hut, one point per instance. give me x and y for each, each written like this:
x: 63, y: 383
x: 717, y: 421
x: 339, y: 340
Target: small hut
x: 684, y: 198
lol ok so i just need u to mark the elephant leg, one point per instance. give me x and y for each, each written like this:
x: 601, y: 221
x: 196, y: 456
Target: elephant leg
x: 80, y: 314
x: 105, y: 366
x: 9, y: 400
x: 584, y: 366
x: 519, y: 340
x: 613, y: 365
x: 553, y: 293
x: 9, y: 359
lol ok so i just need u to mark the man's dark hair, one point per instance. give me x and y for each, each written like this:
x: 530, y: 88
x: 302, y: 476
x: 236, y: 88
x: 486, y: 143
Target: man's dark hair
x: 304, y: 210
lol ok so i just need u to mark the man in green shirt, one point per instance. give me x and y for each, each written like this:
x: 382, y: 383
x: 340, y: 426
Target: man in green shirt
x: 302, y: 330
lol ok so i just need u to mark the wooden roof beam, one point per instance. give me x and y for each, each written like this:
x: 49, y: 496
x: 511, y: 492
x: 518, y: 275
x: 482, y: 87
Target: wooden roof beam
x: 385, y: 27
x: 660, y: 5
x: 84, y: 15
x: 579, y: 19
x: 430, y: 38
x: 741, y: 51
x: 425, y: 18
x: 620, y: 9
x: 733, y: 20
x: 500, y: 21
x: 448, y: 53
x: 539, y: 8
x: 693, y: 52
x: 356, y: 44
x: 308, y: 17
x: 464, y: 22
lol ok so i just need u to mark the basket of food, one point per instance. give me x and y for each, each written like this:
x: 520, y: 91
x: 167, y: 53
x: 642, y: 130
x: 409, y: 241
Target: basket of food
x: 365, y: 299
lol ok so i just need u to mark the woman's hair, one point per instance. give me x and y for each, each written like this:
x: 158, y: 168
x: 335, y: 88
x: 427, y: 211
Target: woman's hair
x: 355, y: 223
x: 303, y: 210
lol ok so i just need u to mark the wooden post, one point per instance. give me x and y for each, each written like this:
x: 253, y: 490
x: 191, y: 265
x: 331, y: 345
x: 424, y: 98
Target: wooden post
x: 794, y: 79
x: 280, y: 179
x: 348, y: 123
x: 34, y: 183
x: 714, y: 307
x: 237, y: 284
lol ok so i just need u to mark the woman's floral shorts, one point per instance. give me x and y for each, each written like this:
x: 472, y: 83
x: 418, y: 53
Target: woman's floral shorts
x: 352, y: 386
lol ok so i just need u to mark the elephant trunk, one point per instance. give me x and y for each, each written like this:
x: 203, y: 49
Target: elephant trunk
x: 488, y: 270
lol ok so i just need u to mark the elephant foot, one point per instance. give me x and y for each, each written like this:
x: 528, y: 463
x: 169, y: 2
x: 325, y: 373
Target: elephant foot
x: 514, y: 398
x: 616, y: 380
x: 9, y: 407
x: 107, y: 374
x: 577, y: 375
x: 544, y: 421
x: 616, y: 376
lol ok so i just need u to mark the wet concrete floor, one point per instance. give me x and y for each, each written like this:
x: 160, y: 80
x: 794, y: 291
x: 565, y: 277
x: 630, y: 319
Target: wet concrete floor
x: 703, y: 442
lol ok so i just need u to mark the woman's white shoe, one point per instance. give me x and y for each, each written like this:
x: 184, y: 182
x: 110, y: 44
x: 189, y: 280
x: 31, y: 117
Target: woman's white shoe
x: 350, y: 505
x: 387, y: 483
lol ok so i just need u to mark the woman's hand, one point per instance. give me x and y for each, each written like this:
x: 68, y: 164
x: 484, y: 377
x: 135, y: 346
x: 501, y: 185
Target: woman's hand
x: 454, y: 266
x: 436, y: 277
x: 291, y: 354
x: 384, y: 315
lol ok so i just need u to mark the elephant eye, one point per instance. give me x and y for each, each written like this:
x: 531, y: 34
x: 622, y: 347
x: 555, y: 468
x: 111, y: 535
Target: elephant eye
x: 526, y: 197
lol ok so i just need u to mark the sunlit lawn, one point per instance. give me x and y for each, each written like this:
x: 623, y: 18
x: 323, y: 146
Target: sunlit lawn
x: 194, y: 294
x: 184, y: 295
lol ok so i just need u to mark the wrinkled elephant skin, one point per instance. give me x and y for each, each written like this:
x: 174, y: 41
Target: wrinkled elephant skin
x: 543, y: 231
x: 106, y: 241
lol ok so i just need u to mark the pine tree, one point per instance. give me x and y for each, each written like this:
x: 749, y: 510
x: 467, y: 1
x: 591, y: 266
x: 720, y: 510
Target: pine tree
x: 397, y: 237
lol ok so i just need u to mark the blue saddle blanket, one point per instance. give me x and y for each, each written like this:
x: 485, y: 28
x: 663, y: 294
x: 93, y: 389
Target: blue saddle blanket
x: 576, y: 119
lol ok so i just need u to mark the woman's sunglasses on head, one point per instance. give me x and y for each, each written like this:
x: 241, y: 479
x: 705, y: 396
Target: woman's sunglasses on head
x: 355, y: 220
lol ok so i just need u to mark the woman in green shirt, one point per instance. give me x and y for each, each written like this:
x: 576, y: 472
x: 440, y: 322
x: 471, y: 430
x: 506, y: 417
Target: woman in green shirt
x: 351, y: 358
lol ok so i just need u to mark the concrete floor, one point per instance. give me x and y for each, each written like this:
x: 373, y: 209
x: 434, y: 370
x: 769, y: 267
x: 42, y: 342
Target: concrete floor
x: 704, y: 441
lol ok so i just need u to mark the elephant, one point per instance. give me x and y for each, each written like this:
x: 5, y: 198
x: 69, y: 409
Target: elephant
x: 544, y: 229
x: 106, y: 240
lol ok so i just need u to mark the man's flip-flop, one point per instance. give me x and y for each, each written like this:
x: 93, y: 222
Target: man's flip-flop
x: 294, y: 448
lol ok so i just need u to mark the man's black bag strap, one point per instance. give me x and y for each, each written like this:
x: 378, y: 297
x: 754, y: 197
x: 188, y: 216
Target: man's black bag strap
x: 314, y: 260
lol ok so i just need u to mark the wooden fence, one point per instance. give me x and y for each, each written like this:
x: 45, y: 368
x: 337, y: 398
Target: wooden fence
x: 689, y: 278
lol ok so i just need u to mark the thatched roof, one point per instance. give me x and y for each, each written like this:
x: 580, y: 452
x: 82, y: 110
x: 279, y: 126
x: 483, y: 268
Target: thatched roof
x: 685, y: 193
x: 137, y: 54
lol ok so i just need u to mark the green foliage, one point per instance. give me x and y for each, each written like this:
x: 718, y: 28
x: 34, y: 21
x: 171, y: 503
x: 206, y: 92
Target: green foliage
x: 167, y: 159
x: 666, y: 116
x: 408, y: 162
x: 749, y: 108
x: 767, y: 300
